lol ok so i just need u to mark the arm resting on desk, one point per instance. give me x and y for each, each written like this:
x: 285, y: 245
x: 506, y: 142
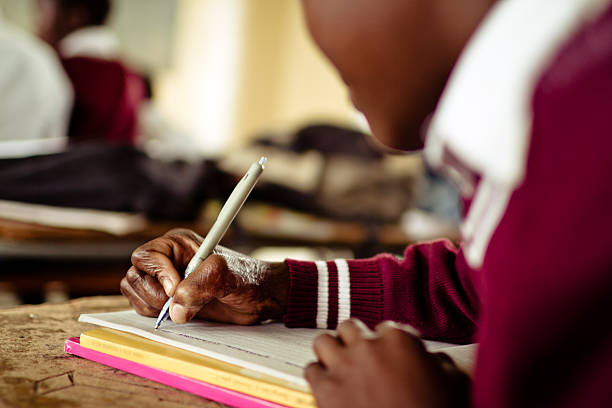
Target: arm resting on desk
x: 430, y: 288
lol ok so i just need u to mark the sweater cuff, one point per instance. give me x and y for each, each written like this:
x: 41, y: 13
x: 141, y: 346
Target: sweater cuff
x: 322, y: 294
x: 302, y: 301
x: 367, y: 295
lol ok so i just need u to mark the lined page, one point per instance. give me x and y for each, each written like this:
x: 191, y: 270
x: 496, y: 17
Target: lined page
x: 271, y: 349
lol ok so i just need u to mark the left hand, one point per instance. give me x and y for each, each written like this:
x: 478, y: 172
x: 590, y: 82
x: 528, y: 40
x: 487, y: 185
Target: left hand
x: 384, y: 369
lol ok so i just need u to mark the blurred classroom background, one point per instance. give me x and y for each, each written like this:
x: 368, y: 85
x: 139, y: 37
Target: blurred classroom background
x: 214, y: 61
x: 220, y: 83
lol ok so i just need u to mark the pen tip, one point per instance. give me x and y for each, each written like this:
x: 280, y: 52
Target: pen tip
x: 263, y: 160
x: 156, y: 326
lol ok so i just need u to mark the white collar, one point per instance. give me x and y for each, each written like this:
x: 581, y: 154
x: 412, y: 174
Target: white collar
x: 484, y: 114
x: 93, y: 41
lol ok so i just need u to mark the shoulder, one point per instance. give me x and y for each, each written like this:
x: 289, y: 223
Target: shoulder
x: 26, y: 59
x: 578, y: 76
x: 18, y: 46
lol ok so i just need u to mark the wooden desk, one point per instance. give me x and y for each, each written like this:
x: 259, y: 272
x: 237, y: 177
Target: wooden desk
x: 35, y: 371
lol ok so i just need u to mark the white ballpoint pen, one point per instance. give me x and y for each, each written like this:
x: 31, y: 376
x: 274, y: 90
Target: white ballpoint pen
x: 224, y: 219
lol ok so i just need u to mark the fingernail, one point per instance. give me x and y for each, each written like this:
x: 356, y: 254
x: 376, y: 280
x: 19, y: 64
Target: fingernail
x: 178, y: 313
x: 403, y: 326
x: 167, y: 284
x: 361, y: 326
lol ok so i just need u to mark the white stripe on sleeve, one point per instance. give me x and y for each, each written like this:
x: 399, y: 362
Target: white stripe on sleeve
x: 322, y: 294
x: 344, y: 290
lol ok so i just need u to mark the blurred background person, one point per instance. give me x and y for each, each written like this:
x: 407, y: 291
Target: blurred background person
x: 108, y: 94
x: 36, y: 95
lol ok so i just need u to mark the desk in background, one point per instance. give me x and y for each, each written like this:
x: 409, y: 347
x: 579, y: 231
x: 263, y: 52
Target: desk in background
x: 93, y: 261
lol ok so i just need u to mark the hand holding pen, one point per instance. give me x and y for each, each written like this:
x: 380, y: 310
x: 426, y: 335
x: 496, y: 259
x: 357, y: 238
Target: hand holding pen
x: 227, y: 286
x: 224, y: 219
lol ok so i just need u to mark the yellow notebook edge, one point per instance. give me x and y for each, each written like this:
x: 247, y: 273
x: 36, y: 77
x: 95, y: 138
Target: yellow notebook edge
x: 154, y: 354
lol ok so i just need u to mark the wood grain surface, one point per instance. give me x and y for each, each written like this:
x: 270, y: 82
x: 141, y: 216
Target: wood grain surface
x: 35, y: 371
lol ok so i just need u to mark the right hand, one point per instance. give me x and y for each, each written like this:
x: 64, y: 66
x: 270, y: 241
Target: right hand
x: 227, y: 287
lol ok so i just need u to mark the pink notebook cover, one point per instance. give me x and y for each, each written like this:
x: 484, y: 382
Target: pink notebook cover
x: 208, y: 391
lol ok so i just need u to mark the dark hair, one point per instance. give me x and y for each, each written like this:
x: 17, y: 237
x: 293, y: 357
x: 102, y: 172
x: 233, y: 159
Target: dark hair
x: 97, y: 10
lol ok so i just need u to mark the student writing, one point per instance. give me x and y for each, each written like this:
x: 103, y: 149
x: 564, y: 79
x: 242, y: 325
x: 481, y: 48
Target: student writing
x: 513, y: 98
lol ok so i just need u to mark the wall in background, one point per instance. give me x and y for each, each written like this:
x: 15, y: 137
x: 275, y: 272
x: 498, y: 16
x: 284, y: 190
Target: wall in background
x: 147, y: 31
x: 20, y: 13
x: 285, y: 80
x: 242, y: 67
x: 145, y: 27
x: 200, y: 91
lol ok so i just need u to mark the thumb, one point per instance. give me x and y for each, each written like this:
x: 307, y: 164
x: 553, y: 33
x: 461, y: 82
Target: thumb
x: 205, y: 284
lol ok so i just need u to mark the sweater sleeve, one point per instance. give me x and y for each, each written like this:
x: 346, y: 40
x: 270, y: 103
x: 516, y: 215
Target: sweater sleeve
x: 431, y: 288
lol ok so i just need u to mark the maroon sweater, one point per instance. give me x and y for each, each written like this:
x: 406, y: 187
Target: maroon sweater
x: 540, y: 304
x: 107, y: 98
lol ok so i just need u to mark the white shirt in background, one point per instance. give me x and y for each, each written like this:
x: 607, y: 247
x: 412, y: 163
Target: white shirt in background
x: 35, y: 96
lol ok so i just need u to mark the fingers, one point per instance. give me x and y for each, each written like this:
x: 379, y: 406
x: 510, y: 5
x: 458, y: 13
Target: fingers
x: 352, y: 330
x: 401, y: 335
x: 444, y: 361
x: 212, y: 291
x: 161, y: 258
x: 147, y: 287
x: 328, y: 349
x: 181, y: 314
x: 314, y: 372
x: 208, y: 282
x: 389, y: 325
x: 156, y: 265
x: 141, y: 306
x: 144, y: 293
x: 154, y: 274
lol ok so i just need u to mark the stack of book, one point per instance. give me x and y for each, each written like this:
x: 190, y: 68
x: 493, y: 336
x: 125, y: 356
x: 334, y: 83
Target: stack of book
x: 241, y: 366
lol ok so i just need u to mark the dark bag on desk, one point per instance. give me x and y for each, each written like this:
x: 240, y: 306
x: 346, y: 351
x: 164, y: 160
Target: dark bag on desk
x: 115, y: 178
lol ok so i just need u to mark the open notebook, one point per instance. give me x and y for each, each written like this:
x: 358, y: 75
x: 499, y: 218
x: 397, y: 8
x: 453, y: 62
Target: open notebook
x: 266, y: 353
x: 270, y: 349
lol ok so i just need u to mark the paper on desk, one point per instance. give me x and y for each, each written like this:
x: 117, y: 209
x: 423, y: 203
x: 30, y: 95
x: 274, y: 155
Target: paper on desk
x: 117, y: 223
x: 271, y: 349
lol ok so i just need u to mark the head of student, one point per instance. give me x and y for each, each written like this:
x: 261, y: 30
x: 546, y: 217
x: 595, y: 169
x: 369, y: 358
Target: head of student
x: 394, y: 55
x: 58, y: 18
